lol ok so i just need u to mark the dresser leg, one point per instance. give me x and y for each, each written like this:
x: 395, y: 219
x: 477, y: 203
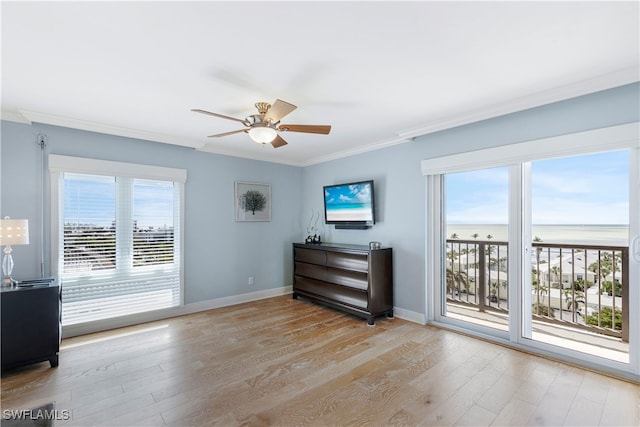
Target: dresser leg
x: 54, y: 361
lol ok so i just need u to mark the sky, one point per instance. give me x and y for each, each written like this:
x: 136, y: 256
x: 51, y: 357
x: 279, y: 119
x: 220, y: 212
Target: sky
x: 91, y: 200
x: 348, y: 194
x: 590, y: 189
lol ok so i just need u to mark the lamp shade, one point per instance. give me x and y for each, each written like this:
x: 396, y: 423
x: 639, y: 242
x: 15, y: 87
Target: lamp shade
x: 14, y: 231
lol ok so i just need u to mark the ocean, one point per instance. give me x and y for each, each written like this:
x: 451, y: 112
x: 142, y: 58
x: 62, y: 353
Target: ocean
x: 349, y: 212
x: 614, y: 235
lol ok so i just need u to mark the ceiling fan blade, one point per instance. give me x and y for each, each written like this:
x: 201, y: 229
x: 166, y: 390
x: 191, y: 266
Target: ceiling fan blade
x: 226, y: 133
x: 278, y: 142
x: 306, y: 128
x: 278, y: 110
x: 222, y: 116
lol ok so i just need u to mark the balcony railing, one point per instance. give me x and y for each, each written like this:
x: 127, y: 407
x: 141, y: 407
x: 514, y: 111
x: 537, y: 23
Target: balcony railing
x: 579, y: 286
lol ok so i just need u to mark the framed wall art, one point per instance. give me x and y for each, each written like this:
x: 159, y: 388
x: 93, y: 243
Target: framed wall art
x: 252, y: 201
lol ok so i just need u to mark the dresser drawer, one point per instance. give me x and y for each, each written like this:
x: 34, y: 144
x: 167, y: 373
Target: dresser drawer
x: 357, y: 262
x: 352, y: 279
x: 310, y: 270
x: 341, y: 294
x: 311, y: 256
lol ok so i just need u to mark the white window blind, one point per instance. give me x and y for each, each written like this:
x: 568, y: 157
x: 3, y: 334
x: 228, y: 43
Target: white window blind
x: 118, y: 239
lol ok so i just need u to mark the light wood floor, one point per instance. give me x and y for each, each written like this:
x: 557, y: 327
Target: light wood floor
x: 285, y: 362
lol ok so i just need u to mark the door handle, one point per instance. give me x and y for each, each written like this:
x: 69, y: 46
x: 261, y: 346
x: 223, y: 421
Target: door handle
x: 635, y: 249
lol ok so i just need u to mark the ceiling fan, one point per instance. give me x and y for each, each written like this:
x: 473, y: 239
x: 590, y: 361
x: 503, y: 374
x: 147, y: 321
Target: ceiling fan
x: 264, y: 126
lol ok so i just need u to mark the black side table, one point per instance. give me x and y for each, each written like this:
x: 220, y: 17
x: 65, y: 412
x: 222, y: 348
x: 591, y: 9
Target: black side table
x: 30, y: 323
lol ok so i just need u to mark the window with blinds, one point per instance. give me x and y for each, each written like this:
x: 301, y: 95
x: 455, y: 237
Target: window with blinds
x: 89, y: 223
x: 119, y: 241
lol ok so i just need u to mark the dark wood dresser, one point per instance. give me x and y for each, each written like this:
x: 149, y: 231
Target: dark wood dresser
x: 31, y: 328
x: 352, y: 278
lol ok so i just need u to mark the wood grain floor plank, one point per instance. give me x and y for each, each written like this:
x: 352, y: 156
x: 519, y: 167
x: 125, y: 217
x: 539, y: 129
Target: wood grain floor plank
x: 476, y: 416
x: 280, y: 361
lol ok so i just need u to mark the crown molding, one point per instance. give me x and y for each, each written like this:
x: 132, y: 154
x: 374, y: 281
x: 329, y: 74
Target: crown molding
x: 360, y: 150
x: 12, y: 116
x: 213, y: 149
x: 30, y: 117
x: 562, y: 93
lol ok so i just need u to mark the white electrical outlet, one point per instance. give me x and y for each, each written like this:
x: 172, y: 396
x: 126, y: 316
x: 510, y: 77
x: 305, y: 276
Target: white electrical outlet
x: 250, y: 280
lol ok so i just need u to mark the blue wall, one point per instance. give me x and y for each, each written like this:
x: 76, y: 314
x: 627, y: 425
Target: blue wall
x: 400, y: 186
x: 221, y: 254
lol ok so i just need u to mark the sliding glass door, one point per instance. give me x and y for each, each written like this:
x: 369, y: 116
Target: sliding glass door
x: 580, y: 276
x: 541, y: 248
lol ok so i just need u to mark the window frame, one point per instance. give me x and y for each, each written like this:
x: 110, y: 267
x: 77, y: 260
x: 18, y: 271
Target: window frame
x: 60, y: 164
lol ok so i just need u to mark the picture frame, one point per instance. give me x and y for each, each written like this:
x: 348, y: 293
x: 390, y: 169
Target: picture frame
x: 252, y: 201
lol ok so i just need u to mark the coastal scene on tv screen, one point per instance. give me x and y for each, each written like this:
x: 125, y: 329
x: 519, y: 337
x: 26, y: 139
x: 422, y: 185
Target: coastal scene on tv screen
x: 349, y: 202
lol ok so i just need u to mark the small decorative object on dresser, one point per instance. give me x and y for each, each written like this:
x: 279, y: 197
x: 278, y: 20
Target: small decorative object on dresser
x: 313, y: 232
x: 352, y: 278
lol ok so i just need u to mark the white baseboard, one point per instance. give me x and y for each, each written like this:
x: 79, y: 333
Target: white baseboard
x: 234, y: 299
x: 409, y: 315
x: 134, y: 319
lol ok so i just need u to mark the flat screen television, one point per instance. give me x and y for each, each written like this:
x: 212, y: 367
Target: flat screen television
x: 350, y: 205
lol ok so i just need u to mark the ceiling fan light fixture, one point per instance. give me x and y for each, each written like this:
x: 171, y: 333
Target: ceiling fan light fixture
x: 263, y: 127
x: 262, y: 134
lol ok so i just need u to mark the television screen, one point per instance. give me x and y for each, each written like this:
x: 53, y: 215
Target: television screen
x: 351, y: 205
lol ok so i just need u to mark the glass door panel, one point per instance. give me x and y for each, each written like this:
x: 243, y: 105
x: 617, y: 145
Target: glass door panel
x: 580, y: 254
x: 476, y: 211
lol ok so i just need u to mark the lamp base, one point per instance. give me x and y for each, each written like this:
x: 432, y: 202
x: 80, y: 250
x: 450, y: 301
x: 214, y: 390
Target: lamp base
x: 7, y: 267
x: 8, y: 281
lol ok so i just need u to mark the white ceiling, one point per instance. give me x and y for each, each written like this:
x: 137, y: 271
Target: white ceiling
x: 379, y: 72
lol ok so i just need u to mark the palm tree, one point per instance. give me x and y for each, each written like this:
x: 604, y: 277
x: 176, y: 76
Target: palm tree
x: 555, y: 270
x: 452, y: 255
x: 539, y: 289
x: 573, y: 299
x: 606, y: 264
x: 455, y: 279
x: 538, y: 252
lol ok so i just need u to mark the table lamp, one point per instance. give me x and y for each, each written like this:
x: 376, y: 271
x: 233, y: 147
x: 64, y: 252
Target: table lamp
x: 12, y: 232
